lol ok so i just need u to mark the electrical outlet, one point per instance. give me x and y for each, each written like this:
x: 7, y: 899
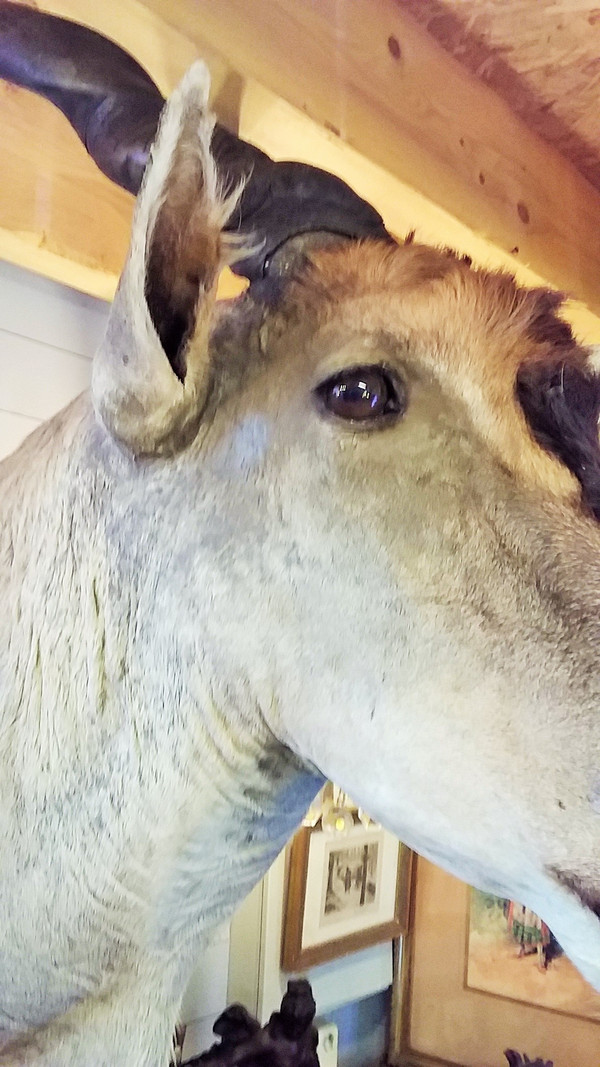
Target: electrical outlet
x: 327, y: 1049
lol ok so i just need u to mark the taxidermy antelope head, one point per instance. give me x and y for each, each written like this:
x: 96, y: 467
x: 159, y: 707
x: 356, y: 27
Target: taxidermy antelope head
x: 344, y: 526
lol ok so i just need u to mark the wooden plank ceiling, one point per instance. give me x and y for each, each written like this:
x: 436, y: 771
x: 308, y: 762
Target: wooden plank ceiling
x: 541, y: 56
x: 375, y: 90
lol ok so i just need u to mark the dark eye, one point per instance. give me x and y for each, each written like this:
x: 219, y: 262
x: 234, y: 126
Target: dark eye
x: 362, y: 394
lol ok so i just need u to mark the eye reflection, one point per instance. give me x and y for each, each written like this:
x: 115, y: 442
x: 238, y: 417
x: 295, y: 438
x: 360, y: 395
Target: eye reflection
x: 362, y: 394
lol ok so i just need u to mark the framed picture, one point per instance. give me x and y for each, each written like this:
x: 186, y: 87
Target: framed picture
x: 512, y: 953
x: 346, y: 891
x: 453, y: 1005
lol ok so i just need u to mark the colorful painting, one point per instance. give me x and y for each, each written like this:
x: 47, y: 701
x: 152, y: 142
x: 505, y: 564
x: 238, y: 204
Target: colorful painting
x: 512, y: 953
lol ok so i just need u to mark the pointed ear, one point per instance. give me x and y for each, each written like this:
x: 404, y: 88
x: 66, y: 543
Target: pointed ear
x: 151, y: 374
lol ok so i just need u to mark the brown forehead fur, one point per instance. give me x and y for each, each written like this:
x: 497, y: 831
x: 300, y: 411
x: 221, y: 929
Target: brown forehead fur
x: 473, y: 330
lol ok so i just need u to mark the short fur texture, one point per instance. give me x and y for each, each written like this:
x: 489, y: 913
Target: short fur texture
x: 214, y: 596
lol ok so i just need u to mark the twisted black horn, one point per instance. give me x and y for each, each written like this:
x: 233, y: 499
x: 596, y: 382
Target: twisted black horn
x: 114, y: 106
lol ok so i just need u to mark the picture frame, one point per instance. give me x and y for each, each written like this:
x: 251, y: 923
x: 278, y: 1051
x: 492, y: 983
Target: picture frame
x: 441, y: 1021
x: 512, y: 953
x: 345, y: 892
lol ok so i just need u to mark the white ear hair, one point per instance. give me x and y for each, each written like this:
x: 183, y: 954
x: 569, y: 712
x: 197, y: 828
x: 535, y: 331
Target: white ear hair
x: 594, y: 358
x: 150, y: 376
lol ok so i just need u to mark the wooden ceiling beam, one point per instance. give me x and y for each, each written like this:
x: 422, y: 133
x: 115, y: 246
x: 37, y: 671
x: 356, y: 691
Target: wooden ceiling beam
x: 365, y: 71
x: 60, y: 216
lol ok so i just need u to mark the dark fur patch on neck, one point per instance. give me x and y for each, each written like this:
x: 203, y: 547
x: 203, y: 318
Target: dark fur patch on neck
x: 561, y: 402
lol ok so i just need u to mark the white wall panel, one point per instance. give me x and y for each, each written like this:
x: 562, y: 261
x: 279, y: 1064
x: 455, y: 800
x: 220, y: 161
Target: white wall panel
x: 41, y: 309
x: 36, y: 379
x: 13, y: 430
x: 48, y: 334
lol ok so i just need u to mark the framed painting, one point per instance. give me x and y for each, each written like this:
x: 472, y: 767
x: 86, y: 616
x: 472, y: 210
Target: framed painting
x: 512, y: 953
x: 345, y: 891
x: 468, y: 986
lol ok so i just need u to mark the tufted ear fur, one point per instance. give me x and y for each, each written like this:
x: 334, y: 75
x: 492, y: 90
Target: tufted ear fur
x: 151, y: 374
